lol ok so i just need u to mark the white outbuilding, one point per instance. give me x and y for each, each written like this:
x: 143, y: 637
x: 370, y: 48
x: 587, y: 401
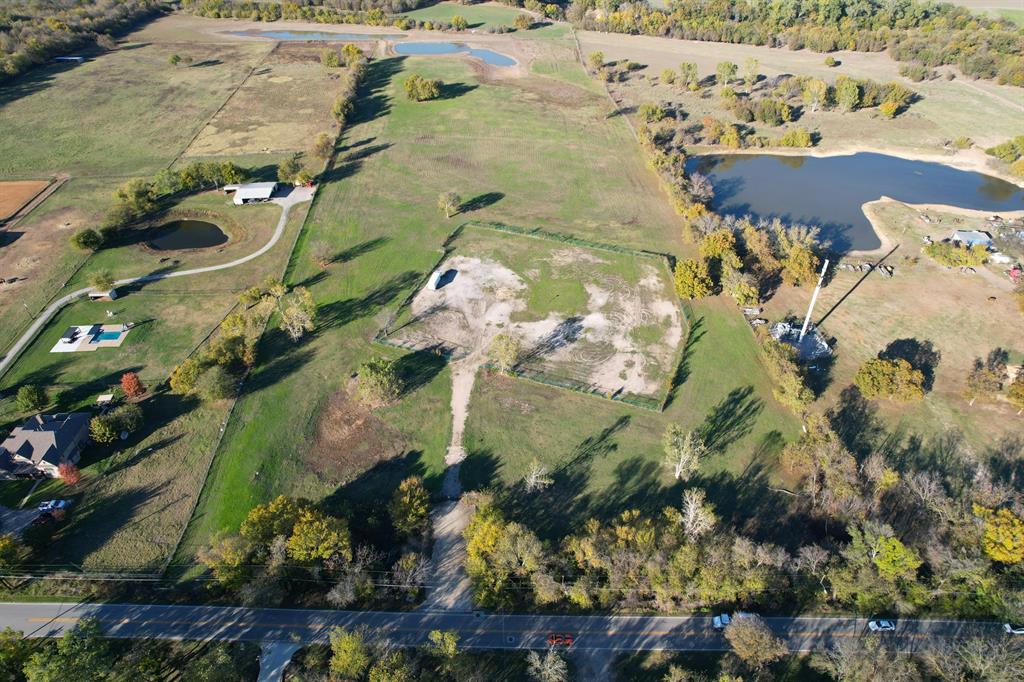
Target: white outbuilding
x: 253, y: 192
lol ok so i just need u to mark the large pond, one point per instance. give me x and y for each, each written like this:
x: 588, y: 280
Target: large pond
x: 488, y: 56
x: 829, y: 192
x: 298, y: 36
x: 187, y: 234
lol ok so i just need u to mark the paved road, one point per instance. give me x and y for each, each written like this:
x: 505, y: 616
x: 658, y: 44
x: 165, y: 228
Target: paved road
x: 475, y: 631
x: 296, y: 196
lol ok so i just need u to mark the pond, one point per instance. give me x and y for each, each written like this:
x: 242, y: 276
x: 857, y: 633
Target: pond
x: 298, y: 36
x: 829, y: 192
x: 187, y: 234
x: 488, y: 56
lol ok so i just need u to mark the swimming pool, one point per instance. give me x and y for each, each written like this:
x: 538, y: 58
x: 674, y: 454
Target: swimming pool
x: 106, y: 336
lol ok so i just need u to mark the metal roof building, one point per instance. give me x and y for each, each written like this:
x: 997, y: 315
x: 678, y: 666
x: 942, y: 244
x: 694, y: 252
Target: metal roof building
x: 252, y: 192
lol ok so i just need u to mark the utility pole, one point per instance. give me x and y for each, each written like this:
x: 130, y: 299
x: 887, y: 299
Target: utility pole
x: 814, y: 298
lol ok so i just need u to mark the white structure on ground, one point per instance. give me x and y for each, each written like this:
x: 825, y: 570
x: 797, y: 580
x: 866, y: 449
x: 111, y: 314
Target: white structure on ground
x: 970, y: 238
x: 252, y: 192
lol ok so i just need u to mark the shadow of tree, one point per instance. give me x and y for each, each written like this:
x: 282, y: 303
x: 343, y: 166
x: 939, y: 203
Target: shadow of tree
x: 285, y: 359
x: 693, y: 337
x: 481, y: 201
x: 374, y: 101
x: 340, y: 313
x: 731, y: 419
x: 353, y: 252
x: 922, y: 355
x: 419, y: 368
x: 566, y: 333
x: 453, y: 90
x: 855, y: 421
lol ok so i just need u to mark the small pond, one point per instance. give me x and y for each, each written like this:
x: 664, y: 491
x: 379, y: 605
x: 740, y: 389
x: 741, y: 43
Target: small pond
x: 299, y: 36
x: 829, y: 192
x: 488, y: 56
x: 187, y: 234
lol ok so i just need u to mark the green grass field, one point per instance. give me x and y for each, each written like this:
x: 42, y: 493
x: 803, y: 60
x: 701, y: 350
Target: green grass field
x: 478, y: 16
x: 520, y: 146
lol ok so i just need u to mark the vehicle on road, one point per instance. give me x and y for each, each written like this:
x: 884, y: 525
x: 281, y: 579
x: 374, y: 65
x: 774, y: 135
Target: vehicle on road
x: 42, y: 519
x: 720, y: 621
x: 881, y: 625
x: 560, y: 639
x: 50, y: 505
x: 1014, y: 628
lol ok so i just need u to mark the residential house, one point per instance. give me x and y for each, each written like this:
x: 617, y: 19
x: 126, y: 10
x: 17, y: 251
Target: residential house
x: 40, y: 445
x: 971, y: 238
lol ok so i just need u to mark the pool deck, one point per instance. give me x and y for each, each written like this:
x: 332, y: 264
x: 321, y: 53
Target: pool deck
x: 86, y: 334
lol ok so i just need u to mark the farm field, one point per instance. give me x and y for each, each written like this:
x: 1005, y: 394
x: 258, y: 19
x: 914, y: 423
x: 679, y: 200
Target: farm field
x: 592, y: 318
x: 16, y: 193
x: 982, y: 110
x: 948, y: 312
x: 387, y: 242
x: 482, y: 16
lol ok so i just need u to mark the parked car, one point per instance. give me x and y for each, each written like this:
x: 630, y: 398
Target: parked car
x: 720, y: 621
x: 560, y: 639
x: 1014, y: 628
x: 50, y: 505
x: 881, y: 625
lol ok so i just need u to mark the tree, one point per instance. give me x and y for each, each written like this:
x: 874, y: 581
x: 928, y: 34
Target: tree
x: 895, y: 379
x: 504, y: 352
x: 87, y: 239
x: 1015, y: 394
x: 298, y: 313
x: 688, y: 75
x: 797, y: 137
x: 547, y: 668
x: 750, y: 71
x: 420, y: 89
x: 317, y: 536
x: 329, y: 58
x: 11, y: 551
x: 753, y: 641
x: 847, y: 94
x: 650, y: 112
x: 894, y: 560
x: 741, y: 286
x: 800, y: 266
x: 444, y: 645
x: 720, y: 246
x: 184, y: 376
x: 216, y: 383
x: 1003, y: 535
x: 264, y: 522
x: 393, y: 666
x: 889, y: 109
x: 725, y: 72
x: 595, y: 60
x: 986, y: 377
x: 410, y: 507
x: 81, y: 654
x: 537, y: 477
x: 31, y: 398
x: 692, y: 278
x: 865, y: 659
x: 215, y: 665
x: 102, y: 429
x: 350, y: 656
x: 683, y: 452
x: 101, y: 280
x: 15, y: 650
x: 69, y: 473
x: 448, y: 203
x: 323, y: 146
x: 696, y: 516
x: 288, y: 169
x: 815, y: 94
x: 351, y: 54
x: 174, y: 59
x: 459, y: 23
x: 378, y: 382
x: 131, y: 385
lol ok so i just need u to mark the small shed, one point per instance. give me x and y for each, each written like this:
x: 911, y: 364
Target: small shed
x: 103, y: 295
x: 971, y: 238
x: 253, y: 192
x: 434, y: 282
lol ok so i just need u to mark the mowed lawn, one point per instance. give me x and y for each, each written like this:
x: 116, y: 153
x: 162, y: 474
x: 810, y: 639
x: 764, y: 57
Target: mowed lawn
x: 535, y: 152
x: 477, y: 16
x: 127, y: 112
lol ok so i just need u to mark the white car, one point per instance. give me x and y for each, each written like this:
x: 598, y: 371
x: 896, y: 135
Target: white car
x: 720, y: 621
x: 881, y: 625
x: 1014, y: 628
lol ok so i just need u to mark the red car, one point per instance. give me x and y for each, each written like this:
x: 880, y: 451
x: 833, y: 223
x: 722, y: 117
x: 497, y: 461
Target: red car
x: 560, y: 639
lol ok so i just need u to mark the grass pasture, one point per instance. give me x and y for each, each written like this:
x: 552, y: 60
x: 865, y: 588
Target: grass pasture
x: 600, y: 320
x: 482, y: 16
x: 282, y: 106
x: 535, y: 151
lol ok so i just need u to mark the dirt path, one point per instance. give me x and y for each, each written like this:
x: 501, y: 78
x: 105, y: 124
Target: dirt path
x: 450, y: 586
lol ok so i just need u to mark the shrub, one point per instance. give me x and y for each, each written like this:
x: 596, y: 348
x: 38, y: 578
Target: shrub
x: 102, y: 429
x: 69, y: 473
x: 420, y: 89
x: 87, y: 239
x: 330, y: 58
x: 649, y: 112
x: 523, y: 22
x: 379, y: 382
x: 830, y: 61
x: 184, y: 377
x: 32, y: 398
x: 889, y: 109
x: 917, y: 72
x: 101, y: 280
x: 127, y: 418
x: 459, y: 23
x: 131, y: 385
x: 216, y: 383
x: 1008, y: 151
x: 798, y: 137
x: 963, y: 142
x: 957, y: 255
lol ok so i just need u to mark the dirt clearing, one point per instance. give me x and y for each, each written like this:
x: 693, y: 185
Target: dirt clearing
x: 16, y: 193
x: 350, y: 439
x: 599, y: 321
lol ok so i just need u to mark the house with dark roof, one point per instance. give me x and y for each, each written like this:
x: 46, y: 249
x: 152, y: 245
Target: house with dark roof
x: 44, y: 442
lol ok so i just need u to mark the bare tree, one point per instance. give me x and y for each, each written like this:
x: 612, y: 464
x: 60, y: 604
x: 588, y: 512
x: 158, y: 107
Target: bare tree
x: 321, y: 253
x: 547, y: 668
x: 683, y: 452
x: 696, y: 516
x: 537, y: 477
x: 754, y: 642
x: 993, y: 659
x: 866, y: 660
x: 813, y: 559
x: 448, y: 202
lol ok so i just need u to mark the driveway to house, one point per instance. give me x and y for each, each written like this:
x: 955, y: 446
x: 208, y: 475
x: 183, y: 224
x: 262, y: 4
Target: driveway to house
x: 297, y: 195
x: 16, y: 520
x: 475, y: 630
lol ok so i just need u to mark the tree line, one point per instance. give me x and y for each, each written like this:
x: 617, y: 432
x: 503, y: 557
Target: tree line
x: 33, y: 33
x: 922, y: 32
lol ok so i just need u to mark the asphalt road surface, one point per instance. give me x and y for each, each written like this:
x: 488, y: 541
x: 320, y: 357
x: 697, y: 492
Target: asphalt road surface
x: 483, y: 631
